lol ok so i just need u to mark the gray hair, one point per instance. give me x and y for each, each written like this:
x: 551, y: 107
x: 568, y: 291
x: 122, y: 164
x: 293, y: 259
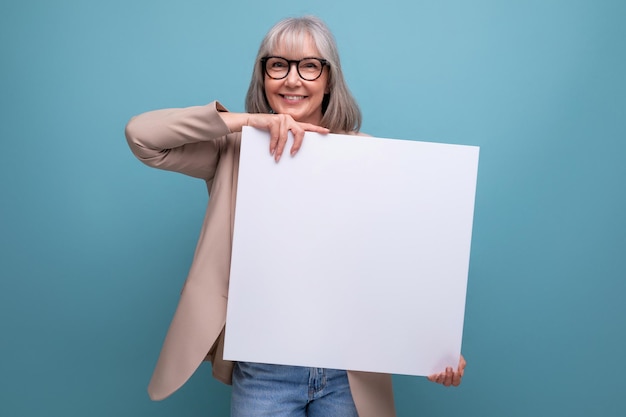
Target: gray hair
x: 341, y: 113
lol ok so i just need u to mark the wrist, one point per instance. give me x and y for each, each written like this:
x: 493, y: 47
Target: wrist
x: 234, y: 121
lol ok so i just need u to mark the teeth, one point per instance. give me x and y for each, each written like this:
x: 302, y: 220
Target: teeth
x: 294, y: 97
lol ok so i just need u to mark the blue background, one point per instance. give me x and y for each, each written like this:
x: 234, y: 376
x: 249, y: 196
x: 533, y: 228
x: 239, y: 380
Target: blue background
x: 95, y: 246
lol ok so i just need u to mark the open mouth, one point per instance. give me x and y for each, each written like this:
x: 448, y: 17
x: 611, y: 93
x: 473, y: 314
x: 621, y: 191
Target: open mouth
x: 292, y: 98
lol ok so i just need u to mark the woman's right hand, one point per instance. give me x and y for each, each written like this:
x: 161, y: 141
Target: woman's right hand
x: 278, y: 126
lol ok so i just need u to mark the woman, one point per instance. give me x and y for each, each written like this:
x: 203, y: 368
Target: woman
x: 297, y: 86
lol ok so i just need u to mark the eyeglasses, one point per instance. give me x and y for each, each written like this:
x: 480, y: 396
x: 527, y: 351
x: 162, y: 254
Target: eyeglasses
x: 309, y: 69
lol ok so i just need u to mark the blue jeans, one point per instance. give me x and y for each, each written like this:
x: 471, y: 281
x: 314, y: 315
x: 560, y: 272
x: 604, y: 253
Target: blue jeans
x: 290, y: 391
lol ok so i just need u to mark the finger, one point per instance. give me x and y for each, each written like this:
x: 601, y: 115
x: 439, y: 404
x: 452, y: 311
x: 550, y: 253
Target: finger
x: 456, y: 380
x: 441, y: 379
x: 298, y: 139
x: 449, y: 376
x: 274, y: 129
x: 273, y: 143
x: 283, y: 135
x: 458, y: 376
x: 437, y: 378
x: 314, y: 128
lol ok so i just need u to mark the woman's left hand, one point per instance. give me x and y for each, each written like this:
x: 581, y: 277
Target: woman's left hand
x: 450, y: 376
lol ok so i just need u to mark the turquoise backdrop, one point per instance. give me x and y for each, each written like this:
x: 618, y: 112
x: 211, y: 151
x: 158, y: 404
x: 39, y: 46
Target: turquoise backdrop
x: 95, y: 246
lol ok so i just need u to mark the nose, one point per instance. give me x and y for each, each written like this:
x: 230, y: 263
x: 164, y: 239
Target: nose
x: 293, y: 78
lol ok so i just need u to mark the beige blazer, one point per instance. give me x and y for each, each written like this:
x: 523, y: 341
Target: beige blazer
x: 195, y: 141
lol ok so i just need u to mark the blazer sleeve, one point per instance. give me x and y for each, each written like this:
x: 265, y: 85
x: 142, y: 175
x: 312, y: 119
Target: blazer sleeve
x: 186, y: 140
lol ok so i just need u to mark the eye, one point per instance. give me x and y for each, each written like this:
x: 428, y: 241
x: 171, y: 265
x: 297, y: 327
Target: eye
x: 311, y: 65
x: 276, y: 64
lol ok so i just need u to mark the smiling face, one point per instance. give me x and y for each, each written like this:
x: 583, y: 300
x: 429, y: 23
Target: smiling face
x: 294, y: 96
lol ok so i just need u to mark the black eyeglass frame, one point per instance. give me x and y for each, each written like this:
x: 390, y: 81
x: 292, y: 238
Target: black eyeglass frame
x: 322, y: 61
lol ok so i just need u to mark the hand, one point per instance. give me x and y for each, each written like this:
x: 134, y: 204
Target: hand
x: 449, y: 376
x: 278, y: 126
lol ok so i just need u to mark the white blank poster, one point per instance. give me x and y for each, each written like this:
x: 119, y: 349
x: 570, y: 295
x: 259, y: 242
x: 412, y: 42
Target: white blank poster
x: 353, y: 254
